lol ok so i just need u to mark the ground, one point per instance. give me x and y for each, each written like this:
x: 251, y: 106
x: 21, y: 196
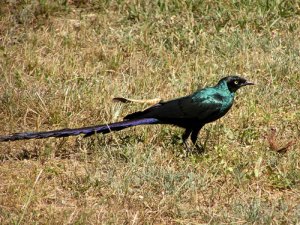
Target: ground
x: 62, y: 62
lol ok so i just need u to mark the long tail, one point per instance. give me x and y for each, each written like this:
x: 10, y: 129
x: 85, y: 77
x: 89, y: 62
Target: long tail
x: 87, y: 131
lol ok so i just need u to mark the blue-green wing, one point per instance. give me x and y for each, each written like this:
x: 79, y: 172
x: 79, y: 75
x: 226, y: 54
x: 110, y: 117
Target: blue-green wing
x: 199, y: 105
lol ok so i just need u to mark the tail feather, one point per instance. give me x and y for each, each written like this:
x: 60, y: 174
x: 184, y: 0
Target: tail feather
x: 87, y: 131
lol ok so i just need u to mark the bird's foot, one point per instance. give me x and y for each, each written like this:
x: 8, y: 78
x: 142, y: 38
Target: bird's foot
x: 188, y: 149
x: 199, y: 149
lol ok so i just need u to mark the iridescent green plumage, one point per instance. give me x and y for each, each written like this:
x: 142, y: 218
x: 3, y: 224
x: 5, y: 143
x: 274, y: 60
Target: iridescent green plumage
x: 191, y: 112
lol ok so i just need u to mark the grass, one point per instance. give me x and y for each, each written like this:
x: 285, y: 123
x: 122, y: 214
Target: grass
x: 61, y: 62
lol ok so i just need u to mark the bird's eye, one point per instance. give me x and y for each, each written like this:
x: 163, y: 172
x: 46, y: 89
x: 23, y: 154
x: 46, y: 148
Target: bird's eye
x: 236, y: 82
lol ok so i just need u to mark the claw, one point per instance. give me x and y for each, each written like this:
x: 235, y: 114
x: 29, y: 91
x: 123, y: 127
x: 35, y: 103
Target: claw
x: 196, y: 148
x: 199, y: 148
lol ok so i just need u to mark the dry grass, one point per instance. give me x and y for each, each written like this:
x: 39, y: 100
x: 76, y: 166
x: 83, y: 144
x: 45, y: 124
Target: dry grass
x: 61, y: 62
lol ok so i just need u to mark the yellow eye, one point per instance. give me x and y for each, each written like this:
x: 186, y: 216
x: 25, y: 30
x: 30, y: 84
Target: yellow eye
x: 236, y: 82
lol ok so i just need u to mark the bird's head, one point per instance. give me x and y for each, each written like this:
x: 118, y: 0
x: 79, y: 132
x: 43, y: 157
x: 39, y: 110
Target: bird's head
x: 234, y: 82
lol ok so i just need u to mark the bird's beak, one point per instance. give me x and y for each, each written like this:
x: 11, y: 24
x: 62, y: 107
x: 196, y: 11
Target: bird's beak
x: 248, y: 83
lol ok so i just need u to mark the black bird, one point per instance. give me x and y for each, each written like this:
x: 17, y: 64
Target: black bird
x: 191, y: 112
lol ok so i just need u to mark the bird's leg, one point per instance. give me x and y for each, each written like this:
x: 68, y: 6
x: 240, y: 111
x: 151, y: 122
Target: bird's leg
x: 206, y: 138
x: 194, y: 136
x: 185, y: 136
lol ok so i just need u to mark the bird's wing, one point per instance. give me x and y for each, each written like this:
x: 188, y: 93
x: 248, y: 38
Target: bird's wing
x: 197, y: 106
x: 207, y: 107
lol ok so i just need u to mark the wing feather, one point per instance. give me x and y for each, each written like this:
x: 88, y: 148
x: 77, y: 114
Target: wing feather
x: 200, y: 106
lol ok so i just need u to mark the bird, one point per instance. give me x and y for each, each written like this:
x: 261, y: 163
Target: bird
x: 190, y: 112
